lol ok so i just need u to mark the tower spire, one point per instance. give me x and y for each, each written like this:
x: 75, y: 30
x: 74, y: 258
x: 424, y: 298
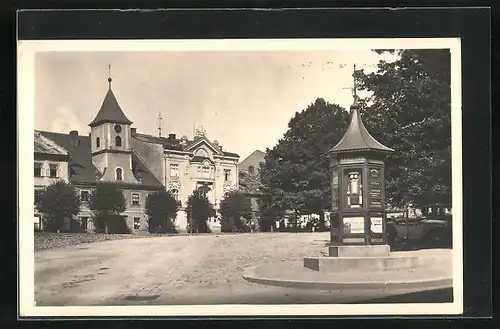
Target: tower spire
x: 160, y: 119
x: 354, y: 86
x: 109, y: 76
x: 354, y: 89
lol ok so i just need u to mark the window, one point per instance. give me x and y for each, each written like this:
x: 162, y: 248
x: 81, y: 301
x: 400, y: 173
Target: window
x: 137, y: 223
x: 53, y: 170
x: 206, y: 170
x: 251, y: 169
x: 38, y: 196
x: 84, y: 196
x: 98, y: 142
x: 174, y: 170
x: 119, y: 173
x: 84, y: 222
x: 204, y: 190
x: 227, y: 175
x: 118, y: 129
x: 118, y: 141
x: 38, y: 170
x: 175, y: 194
x: 37, y: 221
x: 135, y: 199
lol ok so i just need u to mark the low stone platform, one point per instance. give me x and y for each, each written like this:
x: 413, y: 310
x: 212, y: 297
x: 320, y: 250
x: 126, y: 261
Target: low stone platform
x: 429, y: 270
x: 294, y: 275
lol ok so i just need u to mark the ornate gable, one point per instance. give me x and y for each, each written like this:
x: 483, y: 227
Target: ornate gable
x: 199, y: 143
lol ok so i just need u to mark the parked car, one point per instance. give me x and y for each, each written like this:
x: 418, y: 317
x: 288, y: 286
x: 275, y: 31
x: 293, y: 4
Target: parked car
x: 432, y: 229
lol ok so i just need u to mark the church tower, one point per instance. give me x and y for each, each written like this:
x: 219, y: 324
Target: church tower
x: 111, y: 141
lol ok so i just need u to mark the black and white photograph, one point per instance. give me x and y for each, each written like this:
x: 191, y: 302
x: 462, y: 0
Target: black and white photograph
x: 240, y: 177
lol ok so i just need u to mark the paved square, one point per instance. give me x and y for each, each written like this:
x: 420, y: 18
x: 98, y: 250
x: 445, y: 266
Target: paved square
x: 205, y: 269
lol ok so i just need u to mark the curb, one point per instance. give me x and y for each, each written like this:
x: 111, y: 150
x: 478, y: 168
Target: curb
x: 440, y: 282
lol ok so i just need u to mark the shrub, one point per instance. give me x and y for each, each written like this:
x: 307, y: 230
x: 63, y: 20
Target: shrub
x: 199, y: 209
x: 106, y: 203
x: 234, y: 208
x: 161, y: 209
x: 58, y: 202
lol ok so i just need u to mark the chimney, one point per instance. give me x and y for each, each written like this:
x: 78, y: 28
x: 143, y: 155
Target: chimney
x: 133, y: 131
x: 171, y: 136
x: 74, y: 141
x: 220, y: 147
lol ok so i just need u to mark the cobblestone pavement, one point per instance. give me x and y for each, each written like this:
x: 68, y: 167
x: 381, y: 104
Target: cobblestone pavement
x: 203, y: 269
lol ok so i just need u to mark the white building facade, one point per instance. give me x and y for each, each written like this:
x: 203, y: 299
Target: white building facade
x: 185, y: 165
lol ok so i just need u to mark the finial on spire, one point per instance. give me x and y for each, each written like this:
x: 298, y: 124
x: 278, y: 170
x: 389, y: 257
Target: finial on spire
x: 354, y: 82
x: 354, y: 88
x: 109, y: 76
x: 160, y: 119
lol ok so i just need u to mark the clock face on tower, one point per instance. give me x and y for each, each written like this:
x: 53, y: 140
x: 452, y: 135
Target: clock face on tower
x: 118, y: 129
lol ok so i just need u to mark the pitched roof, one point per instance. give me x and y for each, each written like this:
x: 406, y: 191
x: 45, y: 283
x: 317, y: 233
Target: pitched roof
x: 110, y: 111
x: 174, y: 144
x: 82, y: 170
x: 45, y: 145
x: 357, y: 138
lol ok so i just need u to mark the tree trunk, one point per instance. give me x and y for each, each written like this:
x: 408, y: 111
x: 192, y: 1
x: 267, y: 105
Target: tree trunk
x: 322, y: 225
x: 295, y: 220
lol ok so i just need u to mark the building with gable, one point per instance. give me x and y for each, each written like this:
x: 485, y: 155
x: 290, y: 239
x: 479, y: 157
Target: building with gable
x: 250, y: 185
x: 115, y: 152
x: 51, y: 165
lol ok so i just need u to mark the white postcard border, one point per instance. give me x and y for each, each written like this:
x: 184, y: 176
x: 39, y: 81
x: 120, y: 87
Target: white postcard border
x: 26, y: 108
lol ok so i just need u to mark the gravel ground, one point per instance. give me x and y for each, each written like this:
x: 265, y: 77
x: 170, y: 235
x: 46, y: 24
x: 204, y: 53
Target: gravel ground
x: 178, y: 270
x: 47, y: 241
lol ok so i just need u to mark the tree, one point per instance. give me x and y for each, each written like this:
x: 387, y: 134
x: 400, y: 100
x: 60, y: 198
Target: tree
x: 199, y: 210
x: 107, y: 202
x: 409, y: 110
x: 161, y: 209
x: 233, y: 208
x: 58, y: 202
x: 295, y: 174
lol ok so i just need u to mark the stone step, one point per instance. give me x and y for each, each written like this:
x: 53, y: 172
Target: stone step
x: 359, y: 251
x: 336, y: 264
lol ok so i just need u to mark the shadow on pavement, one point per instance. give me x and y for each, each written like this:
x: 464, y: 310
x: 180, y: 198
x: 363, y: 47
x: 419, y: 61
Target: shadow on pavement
x: 432, y: 296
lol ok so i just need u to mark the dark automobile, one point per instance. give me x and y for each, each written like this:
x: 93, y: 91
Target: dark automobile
x: 431, y: 230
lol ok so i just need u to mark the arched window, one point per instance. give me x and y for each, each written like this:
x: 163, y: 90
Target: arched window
x: 175, y: 193
x: 97, y: 142
x: 118, y: 141
x: 119, y: 174
x: 204, y: 190
x: 251, y: 169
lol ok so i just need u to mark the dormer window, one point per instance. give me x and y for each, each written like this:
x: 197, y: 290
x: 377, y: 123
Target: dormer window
x: 118, y: 129
x: 251, y: 169
x: 98, y: 142
x: 119, y: 174
x: 118, y: 141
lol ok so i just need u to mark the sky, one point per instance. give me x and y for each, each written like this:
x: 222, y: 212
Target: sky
x: 243, y: 99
